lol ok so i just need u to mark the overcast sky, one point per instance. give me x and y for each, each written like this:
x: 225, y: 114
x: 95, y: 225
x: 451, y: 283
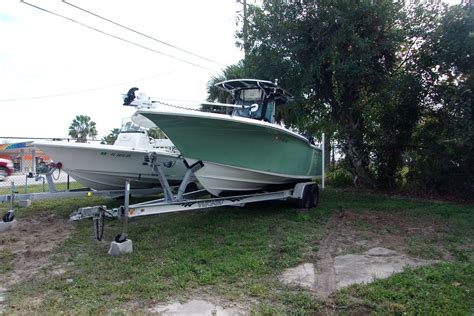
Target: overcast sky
x: 44, y: 55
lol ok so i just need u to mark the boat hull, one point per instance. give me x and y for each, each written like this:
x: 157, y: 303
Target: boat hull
x: 238, y: 154
x: 217, y: 178
x: 107, y: 167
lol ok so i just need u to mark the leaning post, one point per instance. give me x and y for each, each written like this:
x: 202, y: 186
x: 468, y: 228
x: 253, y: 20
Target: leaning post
x: 323, y: 160
x: 126, y: 205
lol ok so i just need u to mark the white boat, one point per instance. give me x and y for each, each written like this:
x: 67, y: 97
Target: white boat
x: 241, y: 150
x: 107, y: 167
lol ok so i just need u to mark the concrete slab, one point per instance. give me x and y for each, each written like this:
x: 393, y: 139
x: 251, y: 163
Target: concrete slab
x: 24, y: 203
x: 376, y: 263
x: 196, y: 307
x: 381, y: 252
x: 302, y: 276
x: 3, y: 292
x: 6, y: 226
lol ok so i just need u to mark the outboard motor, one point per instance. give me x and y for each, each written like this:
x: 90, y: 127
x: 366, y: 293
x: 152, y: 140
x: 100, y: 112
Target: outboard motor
x: 138, y: 100
x: 130, y: 96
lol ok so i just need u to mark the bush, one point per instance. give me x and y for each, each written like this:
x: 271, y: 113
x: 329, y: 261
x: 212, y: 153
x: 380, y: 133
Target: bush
x: 339, y: 177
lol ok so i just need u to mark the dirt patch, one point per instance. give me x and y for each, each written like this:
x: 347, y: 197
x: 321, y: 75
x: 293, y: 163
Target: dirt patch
x: 30, y: 246
x: 362, y: 245
x: 354, y: 232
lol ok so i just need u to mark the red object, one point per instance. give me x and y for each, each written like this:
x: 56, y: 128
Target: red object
x: 6, y: 165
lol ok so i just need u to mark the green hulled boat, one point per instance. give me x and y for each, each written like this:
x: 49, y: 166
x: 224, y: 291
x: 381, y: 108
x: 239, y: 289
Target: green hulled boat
x: 243, y: 150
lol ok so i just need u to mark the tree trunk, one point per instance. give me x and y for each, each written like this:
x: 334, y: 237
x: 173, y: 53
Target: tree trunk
x: 354, y: 147
x: 358, y: 164
x: 333, y: 154
x: 357, y: 158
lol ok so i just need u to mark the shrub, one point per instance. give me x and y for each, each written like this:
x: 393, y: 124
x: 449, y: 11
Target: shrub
x: 339, y: 177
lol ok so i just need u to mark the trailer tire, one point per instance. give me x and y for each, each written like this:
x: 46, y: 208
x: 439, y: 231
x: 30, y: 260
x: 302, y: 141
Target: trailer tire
x: 316, y: 195
x: 120, y: 238
x: 8, y: 217
x: 191, y: 187
x: 310, y: 197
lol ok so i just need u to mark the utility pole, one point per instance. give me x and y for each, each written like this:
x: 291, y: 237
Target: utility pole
x: 244, y: 33
x: 245, y: 29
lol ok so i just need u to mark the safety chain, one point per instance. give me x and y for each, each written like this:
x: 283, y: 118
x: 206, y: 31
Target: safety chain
x: 176, y: 106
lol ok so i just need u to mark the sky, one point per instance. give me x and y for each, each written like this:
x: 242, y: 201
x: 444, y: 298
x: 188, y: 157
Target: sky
x: 42, y: 56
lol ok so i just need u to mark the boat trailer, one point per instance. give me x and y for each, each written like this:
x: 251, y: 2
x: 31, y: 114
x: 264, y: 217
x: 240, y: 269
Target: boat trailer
x: 7, y: 221
x: 306, y: 195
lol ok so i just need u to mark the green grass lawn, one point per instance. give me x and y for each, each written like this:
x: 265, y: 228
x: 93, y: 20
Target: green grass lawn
x: 34, y: 187
x: 236, y: 254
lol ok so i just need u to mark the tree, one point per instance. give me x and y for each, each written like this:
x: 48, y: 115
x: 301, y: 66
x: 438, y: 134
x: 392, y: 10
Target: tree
x: 216, y: 95
x: 443, y: 160
x: 82, y: 127
x: 231, y: 72
x: 156, y: 133
x: 111, y: 137
x: 353, y: 69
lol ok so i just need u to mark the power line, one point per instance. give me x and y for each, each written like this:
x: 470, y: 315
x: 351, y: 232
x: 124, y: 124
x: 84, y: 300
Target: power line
x: 140, y: 33
x: 81, y: 91
x: 114, y: 36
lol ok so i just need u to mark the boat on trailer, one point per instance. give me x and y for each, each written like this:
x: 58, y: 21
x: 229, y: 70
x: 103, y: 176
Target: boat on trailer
x: 107, y: 167
x: 242, y: 150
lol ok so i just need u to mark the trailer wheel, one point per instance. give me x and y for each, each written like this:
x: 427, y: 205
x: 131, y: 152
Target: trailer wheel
x: 310, y: 197
x: 8, y: 217
x: 120, y: 238
x: 191, y: 187
x: 316, y: 195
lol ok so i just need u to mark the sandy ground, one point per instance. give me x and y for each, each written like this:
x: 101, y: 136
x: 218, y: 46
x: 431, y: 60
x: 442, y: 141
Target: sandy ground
x: 31, y: 243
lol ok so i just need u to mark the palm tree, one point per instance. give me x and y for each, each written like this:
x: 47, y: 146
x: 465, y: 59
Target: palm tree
x: 111, y: 138
x: 81, y: 128
x: 235, y: 71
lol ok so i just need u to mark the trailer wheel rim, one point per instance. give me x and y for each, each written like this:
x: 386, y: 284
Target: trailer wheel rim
x: 8, y: 217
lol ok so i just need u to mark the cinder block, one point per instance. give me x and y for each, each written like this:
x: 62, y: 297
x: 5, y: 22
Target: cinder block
x: 117, y: 249
x: 5, y: 226
x: 24, y: 203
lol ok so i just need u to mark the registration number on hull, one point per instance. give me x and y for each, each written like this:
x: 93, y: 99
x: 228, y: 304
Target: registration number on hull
x: 119, y: 155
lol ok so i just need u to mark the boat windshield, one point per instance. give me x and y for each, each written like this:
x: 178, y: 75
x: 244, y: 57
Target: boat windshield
x: 255, y: 105
x: 130, y: 127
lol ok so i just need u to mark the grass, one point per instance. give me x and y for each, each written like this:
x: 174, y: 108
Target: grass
x: 444, y: 288
x: 6, y: 258
x: 33, y: 187
x: 236, y: 254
